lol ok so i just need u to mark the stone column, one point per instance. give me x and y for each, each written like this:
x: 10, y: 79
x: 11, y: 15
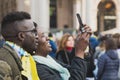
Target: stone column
x: 84, y: 11
x: 118, y: 16
x: 76, y: 9
x: 40, y: 13
x: 91, y: 14
x: 118, y: 19
x: 20, y: 5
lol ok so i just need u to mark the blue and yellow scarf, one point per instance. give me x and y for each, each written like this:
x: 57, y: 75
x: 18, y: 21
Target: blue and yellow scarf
x: 28, y: 62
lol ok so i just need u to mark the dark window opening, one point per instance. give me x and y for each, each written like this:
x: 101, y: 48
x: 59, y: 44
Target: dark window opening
x: 53, y: 14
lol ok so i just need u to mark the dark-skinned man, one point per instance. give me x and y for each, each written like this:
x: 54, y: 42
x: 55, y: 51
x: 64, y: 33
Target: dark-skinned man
x: 20, y: 35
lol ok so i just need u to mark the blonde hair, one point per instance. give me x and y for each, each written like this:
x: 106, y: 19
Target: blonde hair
x: 63, y: 41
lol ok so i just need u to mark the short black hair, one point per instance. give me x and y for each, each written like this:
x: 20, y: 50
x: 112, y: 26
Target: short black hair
x: 14, y: 16
x: 9, y: 20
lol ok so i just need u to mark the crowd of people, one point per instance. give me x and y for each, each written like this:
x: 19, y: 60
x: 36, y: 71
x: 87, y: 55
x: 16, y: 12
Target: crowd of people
x: 27, y: 54
x: 25, y: 50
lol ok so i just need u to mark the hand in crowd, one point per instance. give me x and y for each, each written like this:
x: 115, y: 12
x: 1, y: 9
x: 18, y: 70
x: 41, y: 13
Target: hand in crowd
x: 82, y: 41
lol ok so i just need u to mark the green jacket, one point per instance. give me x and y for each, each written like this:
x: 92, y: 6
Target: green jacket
x: 5, y: 71
x: 8, y: 55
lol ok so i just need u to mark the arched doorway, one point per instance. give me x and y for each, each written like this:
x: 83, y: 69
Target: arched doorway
x: 106, y: 16
x: 7, y: 6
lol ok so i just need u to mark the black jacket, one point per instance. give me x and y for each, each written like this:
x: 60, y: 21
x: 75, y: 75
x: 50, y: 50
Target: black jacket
x: 77, y: 70
x: 65, y: 56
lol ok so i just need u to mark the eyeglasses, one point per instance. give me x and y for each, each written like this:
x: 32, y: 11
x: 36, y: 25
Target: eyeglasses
x: 34, y: 31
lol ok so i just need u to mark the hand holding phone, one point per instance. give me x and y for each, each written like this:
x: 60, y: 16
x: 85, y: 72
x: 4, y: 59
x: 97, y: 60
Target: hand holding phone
x: 82, y: 30
x: 80, y: 23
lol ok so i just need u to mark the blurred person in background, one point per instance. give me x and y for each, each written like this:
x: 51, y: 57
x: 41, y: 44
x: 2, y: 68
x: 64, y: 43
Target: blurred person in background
x: 108, y: 63
x: 93, y: 43
x: 117, y: 38
x: 100, y: 50
x: 65, y: 48
x: 53, y: 45
x: 89, y: 57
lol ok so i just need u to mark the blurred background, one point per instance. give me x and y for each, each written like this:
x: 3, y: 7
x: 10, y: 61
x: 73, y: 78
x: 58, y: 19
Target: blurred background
x: 59, y: 16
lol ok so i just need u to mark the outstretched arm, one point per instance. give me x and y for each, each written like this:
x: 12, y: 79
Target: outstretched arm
x: 78, y: 66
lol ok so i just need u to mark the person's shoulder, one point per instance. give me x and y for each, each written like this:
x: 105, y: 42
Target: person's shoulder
x: 5, y: 71
x: 7, y: 49
x: 42, y: 66
x: 61, y: 52
x: 102, y: 56
x: 6, y: 52
x: 6, y: 46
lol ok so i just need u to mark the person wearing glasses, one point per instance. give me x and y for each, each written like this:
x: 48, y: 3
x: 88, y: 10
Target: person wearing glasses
x: 21, y: 41
x: 50, y: 69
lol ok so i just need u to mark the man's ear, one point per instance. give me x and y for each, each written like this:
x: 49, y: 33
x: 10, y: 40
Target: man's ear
x: 21, y: 36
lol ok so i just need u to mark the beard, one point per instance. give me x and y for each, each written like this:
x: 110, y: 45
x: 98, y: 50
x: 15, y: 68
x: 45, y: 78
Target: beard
x: 29, y: 48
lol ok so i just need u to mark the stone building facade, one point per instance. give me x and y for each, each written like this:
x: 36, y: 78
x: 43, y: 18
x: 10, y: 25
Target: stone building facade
x: 101, y: 15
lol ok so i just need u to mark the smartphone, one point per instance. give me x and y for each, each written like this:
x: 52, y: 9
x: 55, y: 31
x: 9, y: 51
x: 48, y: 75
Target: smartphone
x: 80, y: 23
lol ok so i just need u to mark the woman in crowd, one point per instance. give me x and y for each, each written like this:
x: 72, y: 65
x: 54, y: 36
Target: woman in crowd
x: 117, y: 38
x: 49, y: 69
x: 65, y: 47
x: 108, y: 63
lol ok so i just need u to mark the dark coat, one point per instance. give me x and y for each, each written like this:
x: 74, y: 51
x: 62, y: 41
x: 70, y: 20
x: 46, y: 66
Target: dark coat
x: 108, y: 65
x: 90, y: 65
x: 9, y: 55
x: 77, y: 70
x: 64, y: 56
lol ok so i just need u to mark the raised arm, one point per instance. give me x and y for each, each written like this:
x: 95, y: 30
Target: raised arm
x: 78, y: 66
